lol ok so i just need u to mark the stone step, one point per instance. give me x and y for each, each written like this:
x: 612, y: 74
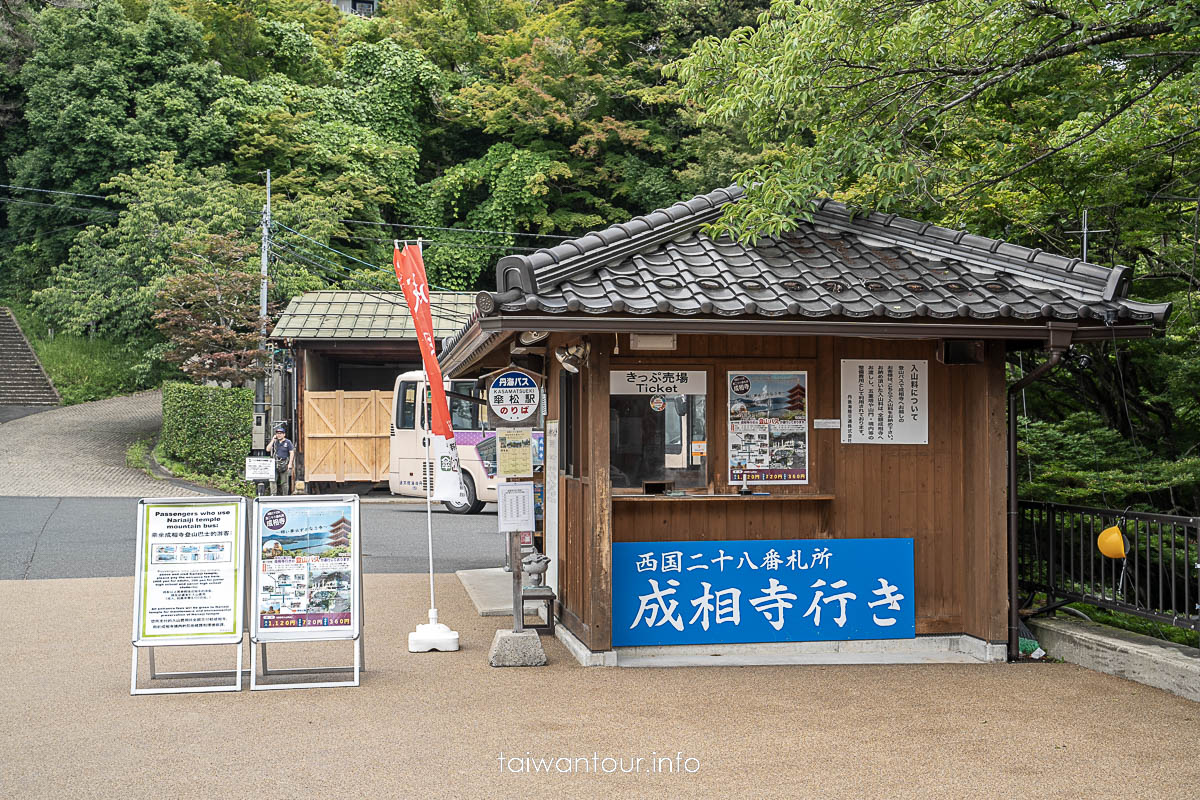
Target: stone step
x: 22, y: 380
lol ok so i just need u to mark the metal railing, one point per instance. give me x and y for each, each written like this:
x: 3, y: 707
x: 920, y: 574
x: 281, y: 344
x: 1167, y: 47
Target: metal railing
x: 1159, y: 578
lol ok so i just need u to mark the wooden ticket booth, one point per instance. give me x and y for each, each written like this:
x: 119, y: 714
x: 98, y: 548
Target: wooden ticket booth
x: 794, y: 449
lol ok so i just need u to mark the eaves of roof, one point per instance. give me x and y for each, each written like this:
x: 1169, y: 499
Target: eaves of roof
x: 861, y: 274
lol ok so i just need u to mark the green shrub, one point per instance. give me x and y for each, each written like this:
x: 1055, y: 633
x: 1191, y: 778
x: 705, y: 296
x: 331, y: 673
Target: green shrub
x: 207, y: 427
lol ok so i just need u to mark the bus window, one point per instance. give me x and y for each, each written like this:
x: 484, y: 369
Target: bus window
x: 406, y: 408
x: 464, y: 415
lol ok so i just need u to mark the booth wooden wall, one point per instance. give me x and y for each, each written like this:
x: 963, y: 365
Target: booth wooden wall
x: 949, y: 495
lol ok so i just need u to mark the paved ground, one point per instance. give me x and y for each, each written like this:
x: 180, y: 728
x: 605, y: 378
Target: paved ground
x: 80, y: 450
x: 435, y: 725
x: 9, y: 413
x: 89, y: 537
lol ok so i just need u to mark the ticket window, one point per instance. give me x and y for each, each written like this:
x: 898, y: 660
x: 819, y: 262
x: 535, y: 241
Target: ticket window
x: 658, y: 439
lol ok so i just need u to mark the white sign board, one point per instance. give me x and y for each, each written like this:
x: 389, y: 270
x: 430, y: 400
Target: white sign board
x: 307, y: 568
x: 513, y: 396
x: 188, y: 583
x: 885, y: 401
x: 657, y: 381
x: 550, y: 511
x: 515, y: 501
x: 260, y: 468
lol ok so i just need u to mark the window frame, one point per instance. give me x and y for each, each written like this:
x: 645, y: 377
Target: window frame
x: 686, y: 434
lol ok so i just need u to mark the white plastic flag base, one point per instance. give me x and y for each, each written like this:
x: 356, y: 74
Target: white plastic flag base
x: 433, y: 636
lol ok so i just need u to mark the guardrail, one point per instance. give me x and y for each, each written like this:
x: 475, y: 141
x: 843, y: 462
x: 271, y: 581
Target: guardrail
x: 1159, y: 578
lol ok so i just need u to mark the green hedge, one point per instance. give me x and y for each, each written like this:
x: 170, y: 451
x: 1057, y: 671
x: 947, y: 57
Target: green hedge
x: 208, y: 427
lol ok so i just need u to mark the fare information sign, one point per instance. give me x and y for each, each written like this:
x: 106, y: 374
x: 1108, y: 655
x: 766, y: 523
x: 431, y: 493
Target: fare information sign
x: 885, y: 401
x: 307, y: 568
x: 188, y: 587
x: 513, y: 396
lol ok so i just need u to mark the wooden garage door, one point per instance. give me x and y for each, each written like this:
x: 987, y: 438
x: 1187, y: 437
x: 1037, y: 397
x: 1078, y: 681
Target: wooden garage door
x: 346, y: 435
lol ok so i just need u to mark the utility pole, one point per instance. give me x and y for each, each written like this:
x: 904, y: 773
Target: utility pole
x: 260, y: 386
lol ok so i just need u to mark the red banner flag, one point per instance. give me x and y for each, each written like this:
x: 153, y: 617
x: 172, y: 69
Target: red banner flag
x: 447, y: 476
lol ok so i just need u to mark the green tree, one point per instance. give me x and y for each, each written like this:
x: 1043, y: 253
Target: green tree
x: 103, y: 93
x: 208, y: 310
x: 954, y: 104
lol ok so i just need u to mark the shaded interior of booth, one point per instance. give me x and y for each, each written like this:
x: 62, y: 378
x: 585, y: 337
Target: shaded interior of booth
x: 949, y: 495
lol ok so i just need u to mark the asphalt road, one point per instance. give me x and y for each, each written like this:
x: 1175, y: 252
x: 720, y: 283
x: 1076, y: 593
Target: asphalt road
x: 89, y: 537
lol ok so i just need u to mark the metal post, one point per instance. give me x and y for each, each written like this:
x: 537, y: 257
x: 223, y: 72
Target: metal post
x: 514, y: 556
x: 260, y: 385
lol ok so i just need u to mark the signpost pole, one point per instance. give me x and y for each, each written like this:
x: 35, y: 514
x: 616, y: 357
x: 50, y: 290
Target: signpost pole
x: 514, y: 555
x: 429, y: 522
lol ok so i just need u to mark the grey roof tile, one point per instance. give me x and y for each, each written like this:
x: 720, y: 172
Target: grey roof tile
x: 860, y: 266
x: 354, y: 315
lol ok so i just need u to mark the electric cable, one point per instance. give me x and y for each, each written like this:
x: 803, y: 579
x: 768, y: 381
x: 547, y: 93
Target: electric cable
x: 52, y: 191
x: 454, y: 318
x: 456, y: 230
x: 56, y: 205
x: 382, y: 269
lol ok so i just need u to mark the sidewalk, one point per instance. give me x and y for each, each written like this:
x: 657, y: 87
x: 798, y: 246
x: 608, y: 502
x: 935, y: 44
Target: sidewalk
x: 80, y: 451
x: 435, y: 725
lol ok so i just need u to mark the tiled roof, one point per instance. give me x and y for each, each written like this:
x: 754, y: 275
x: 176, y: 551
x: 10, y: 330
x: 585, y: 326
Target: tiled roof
x: 838, y: 265
x: 344, y: 315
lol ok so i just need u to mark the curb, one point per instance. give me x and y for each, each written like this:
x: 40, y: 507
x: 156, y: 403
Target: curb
x: 160, y: 472
x: 1165, y: 665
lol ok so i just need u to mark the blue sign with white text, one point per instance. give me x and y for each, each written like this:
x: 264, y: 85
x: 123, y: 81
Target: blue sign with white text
x: 769, y: 590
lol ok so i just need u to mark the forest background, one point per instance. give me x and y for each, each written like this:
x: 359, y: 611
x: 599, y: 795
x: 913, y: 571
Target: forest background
x: 134, y: 138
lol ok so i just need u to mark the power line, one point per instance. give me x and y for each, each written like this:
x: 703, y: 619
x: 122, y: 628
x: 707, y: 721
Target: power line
x: 52, y: 191
x: 455, y: 230
x: 436, y: 243
x: 352, y: 258
x: 376, y: 293
x: 333, y: 272
x: 51, y: 232
x: 55, y: 205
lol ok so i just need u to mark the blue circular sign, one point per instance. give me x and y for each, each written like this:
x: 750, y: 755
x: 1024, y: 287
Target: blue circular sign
x: 514, y: 396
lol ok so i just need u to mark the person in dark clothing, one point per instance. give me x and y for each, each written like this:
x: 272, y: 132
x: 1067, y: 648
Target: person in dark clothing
x: 284, y: 453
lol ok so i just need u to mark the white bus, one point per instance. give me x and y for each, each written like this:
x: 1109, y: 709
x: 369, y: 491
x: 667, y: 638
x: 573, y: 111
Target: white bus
x: 475, y: 440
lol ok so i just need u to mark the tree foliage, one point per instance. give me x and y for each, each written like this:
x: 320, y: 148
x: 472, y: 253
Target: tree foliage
x: 486, y: 126
x: 208, y: 310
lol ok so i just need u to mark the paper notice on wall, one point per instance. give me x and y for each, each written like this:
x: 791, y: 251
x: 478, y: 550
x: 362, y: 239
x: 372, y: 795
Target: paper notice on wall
x: 768, y: 427
x: 885, y: 401
x: 514, y: 452
x: 515, y: 506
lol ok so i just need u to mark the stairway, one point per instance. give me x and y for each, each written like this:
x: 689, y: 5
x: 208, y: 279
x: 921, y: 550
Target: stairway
x: 23, y: 382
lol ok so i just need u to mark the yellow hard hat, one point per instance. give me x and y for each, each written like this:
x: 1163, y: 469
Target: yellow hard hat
x: 1112, y: 542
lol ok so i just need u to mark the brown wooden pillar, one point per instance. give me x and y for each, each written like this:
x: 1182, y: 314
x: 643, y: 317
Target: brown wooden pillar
x: 599, y: 549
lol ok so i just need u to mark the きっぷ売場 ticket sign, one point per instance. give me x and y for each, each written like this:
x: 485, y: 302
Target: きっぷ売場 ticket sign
x: 189, y: 578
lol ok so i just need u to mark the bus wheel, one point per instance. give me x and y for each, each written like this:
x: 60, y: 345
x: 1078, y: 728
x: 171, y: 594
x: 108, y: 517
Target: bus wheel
x: 473, y: 504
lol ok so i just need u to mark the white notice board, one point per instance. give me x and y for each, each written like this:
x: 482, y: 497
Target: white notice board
x: 260, y: 468
x: 307, y: 568
x: 885, y: 401
x: 515, y: 501
x: 188, y: 583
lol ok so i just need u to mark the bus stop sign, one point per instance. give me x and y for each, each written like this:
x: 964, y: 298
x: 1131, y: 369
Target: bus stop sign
x: 513, y: 396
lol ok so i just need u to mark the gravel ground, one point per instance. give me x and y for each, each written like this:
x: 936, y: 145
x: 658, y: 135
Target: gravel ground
x: 435, y: 725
